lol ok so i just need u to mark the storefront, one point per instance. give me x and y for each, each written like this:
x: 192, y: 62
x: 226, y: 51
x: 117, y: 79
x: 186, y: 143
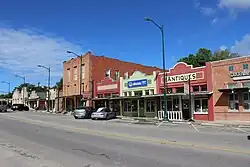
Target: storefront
x: 231, y: 80
x: 106, y: 94
x: 137, y: 94
x: 189, y: 92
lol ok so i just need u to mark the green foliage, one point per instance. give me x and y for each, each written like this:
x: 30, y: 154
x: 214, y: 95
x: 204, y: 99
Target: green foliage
x: 6, y: 96
x: 59, y: 84
x: 204, y: 55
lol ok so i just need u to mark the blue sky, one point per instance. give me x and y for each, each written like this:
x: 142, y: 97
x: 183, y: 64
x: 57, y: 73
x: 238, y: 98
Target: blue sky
x: 34, y: 33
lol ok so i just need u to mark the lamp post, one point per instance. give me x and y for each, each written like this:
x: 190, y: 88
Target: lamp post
x: 47, y: 68
x: 80, y: 88
x: 23, y: 85
x: 163, y: 65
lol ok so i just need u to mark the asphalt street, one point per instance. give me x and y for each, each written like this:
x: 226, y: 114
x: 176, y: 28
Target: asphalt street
x: 62, y: 141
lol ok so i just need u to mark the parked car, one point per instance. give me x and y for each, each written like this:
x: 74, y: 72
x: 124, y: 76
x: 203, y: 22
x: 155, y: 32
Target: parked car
x: 103, y: 113
x: 19, y: 107
x: 83, y: 112
x: 3, y: 106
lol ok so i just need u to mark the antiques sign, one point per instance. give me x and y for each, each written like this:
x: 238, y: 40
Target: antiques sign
x: 181, y: 78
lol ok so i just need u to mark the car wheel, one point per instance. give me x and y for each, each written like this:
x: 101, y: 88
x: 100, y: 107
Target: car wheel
x: 75, y: 117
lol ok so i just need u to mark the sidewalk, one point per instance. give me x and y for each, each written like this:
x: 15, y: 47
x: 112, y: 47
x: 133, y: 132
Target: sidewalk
x: 225, y: 123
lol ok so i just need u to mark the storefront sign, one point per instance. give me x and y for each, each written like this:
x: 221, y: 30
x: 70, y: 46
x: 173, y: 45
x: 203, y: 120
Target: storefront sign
x: 138, y: 83
x: 240, y: 74
x: 181, y: 78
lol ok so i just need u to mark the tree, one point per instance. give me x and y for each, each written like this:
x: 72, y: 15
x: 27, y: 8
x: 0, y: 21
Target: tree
x: 204, y: 55
x: 59, y: 85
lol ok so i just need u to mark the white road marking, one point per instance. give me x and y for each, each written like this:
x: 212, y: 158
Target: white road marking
x: 239, y: 129
x: 160, y: 124
x: 194, y: 127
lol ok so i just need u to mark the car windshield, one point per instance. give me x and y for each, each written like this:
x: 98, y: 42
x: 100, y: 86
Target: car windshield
x: 80, y: 108
x: 100, y: 109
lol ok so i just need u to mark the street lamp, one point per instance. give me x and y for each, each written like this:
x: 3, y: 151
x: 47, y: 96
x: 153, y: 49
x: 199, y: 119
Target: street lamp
x: 163, y: 64
x: 47, y: 68
x: 80, y: 88
x: 23, y: 85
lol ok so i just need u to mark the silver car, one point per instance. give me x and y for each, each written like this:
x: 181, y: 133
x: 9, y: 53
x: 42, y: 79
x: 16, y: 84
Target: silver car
x: 83, y: 112
x: 103, y: 113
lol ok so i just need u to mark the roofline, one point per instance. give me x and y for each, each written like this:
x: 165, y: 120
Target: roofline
x: 235, y: 58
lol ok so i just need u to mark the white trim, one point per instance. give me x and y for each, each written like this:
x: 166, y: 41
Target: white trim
x: 200, y: 113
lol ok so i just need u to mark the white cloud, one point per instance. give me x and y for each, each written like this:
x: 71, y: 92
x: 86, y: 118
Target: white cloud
x: 234, y: 4
x: 242, y: 47
x: 207, y: 11
x: 21, y: 50
x: 215, y: 20
x: 223, y: 47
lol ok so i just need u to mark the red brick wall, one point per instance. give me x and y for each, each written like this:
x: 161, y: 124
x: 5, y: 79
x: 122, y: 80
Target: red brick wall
x: 220, y: 78
x: 101, y: 64
x: 95, y: 67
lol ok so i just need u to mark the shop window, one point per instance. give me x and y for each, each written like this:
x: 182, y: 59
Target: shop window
x: 117, y: 75
x: 233, y: 102
x: 231, y: 68
x: 127, y: 106
x: 201, y: 105
x: 124, y: 93
x: 134, y: 106
x: 246, y: 84
x: 107, y: 95
x: 115, y: 95
x: 100, y: 95
x: 180, y: 90
x: 152, y: 91
x: 150, y: 106
x: 149, y: 81
x: 173, y: 103
x: 138, y: 93
x: 203, y: 88
x: 246, y: 98
x: 146, y: 92
x: 196, y: 88
x: 107, y: 73
x: 231, y: 85
x: 129, y: 93
x: 245, y: 66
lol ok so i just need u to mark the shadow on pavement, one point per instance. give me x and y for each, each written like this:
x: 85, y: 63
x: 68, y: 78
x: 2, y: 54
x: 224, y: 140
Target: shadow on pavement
x: 248, y: 137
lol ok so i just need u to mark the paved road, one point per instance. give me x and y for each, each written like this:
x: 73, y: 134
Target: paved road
x: 60, y: 140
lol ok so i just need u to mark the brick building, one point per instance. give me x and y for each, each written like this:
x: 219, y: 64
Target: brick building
x: 231, y: 83
x: 178, y: 103
x: 94, y: 69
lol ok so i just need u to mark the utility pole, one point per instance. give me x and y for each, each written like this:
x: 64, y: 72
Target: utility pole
x: 165, y: 118
x: 48, y: 89
x: 23, y: 86
x: 80, y: 82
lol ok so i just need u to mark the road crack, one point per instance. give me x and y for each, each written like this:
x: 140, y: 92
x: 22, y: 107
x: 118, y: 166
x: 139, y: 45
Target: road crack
x: 18, y: 151
x: 90, y: 153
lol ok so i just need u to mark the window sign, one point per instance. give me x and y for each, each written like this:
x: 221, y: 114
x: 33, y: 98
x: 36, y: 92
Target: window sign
x: 138, y: 83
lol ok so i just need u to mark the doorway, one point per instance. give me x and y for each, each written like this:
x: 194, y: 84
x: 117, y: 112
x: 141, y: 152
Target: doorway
x: 141, y: 108
x: 185, y: 109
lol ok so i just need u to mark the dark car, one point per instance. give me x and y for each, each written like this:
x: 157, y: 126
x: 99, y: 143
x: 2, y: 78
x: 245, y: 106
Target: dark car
x: 103, y: 113
x: 19, y: 107
x: 83, y: 112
